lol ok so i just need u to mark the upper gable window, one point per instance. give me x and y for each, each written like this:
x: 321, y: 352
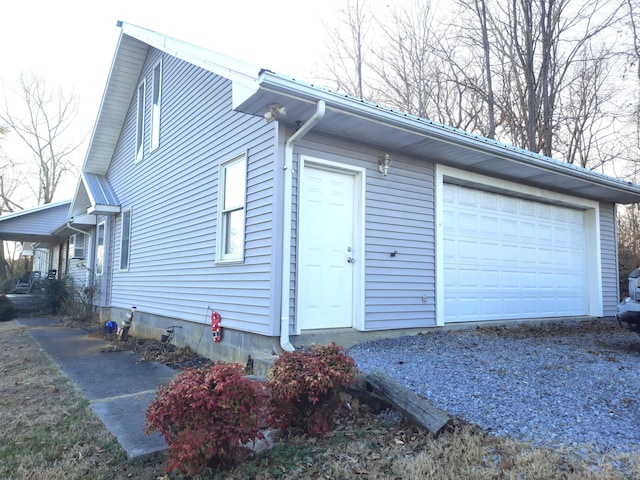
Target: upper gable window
x: 155, y: 109
x: 231, y: 205
x: 140, y: 121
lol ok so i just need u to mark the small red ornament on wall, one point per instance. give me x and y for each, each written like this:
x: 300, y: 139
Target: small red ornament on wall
x: 216, y: 329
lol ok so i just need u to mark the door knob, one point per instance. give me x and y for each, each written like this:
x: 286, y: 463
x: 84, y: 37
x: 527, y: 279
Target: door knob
x: 351, y: 260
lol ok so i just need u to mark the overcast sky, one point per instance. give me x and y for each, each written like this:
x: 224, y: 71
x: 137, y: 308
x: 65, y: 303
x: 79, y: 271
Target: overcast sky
x: 71, y: 42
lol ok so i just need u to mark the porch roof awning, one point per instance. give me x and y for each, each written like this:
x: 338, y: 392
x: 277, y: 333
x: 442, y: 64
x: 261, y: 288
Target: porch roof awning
x: 36, y: 224
x: 94, y: 196
x: 103, y: 198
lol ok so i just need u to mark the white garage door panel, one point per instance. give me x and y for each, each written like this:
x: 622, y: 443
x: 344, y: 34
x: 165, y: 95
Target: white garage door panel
x: 506, y: 257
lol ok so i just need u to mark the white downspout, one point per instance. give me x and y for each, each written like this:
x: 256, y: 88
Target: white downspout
x: 286, y: 223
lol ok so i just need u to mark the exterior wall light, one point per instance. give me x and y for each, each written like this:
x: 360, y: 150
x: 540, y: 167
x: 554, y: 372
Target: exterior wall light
x: 384, y: 164
x: 275, y: 112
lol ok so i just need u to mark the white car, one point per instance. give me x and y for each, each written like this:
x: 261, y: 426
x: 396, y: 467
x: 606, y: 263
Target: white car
x: 629, y: 308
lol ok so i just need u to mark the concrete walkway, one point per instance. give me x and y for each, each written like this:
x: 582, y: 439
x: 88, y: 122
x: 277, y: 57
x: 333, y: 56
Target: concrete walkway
x: 117, y: 384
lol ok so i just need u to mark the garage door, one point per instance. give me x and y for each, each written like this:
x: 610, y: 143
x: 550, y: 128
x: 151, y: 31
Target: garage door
x: 507, y: 257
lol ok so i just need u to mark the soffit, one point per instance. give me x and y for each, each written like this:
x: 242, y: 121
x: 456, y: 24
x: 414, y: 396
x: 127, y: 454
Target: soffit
x: 395, y: 131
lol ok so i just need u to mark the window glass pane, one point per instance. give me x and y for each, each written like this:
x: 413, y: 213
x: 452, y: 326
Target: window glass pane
x: 234, y: 223
x: 234, y: 185
x: 231, y: 234
x: 76, y: 245
x: 155, y: 112
x: 125, y: 240
x: 140, y: 123
x: 100, y: 250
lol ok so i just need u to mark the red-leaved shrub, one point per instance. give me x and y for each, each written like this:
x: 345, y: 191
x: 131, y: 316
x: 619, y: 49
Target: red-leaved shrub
x: 304, y: 387
x: 205, y: 415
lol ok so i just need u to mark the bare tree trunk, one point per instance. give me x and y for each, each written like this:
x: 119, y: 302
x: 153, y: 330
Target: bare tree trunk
x: 548, y: 97
x: 3, y: 263
x: 481, y: 9
x: 348, y: 48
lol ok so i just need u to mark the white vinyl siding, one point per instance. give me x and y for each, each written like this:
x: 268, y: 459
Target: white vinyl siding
x: 609, y: 255
x: 399, y: 290
x: 155, y: 106
x: 175, y: 198
x: 140, y: 120
x: 231, y: 202
x: 125, y: 240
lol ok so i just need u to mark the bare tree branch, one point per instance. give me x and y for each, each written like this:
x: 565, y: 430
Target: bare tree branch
x: 44, y: 129
x: 349, y: 45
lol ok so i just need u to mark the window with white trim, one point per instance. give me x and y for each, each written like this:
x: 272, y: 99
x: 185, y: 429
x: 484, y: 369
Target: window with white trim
x: 100, y: 236
x: 125, y: 240
x: 231, y: 206
x: 77, y: 245
x: 140, y: 122
x: 155, y: 106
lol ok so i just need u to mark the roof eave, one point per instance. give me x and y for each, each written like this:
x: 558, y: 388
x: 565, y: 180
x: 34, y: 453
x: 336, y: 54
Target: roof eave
x: 104, y: 209
x: 289, y: 92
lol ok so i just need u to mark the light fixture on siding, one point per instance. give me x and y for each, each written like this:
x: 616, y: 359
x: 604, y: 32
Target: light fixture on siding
x: 384, y: 164
x: 275, y: 112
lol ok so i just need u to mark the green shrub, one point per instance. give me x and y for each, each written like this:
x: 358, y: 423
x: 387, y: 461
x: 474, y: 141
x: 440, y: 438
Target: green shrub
x: 9, y: 285
x: 304, y: 387
x: 7, y: 310
x: 78, y: 303
x: 205, y: 415
x: 56, y: 294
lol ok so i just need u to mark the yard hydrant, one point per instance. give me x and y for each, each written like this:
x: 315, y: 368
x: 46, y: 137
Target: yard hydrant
x: 123, y: 331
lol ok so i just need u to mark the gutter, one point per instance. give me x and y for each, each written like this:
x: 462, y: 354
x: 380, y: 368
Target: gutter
x: 279, y: 84
x: 286, y: 223
x: 75, y: 229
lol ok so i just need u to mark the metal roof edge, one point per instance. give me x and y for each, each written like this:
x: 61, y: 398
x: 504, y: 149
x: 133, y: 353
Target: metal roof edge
x: 372, y: 111
x: 105, y: 194
x: 242, y: 75
x: 231, y: 68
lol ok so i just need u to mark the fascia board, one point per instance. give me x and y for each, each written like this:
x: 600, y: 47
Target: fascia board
x: 271, y: 82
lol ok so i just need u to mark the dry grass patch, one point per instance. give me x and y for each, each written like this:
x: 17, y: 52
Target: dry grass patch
x: 470, y: 454
x: 374, y: 448
x: 48, y: 429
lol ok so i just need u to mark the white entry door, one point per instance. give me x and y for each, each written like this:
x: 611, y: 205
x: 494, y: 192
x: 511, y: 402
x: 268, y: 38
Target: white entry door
x: 327, y: 254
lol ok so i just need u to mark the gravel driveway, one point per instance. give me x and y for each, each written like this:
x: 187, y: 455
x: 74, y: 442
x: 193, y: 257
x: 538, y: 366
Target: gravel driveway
x: 569, y: 384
